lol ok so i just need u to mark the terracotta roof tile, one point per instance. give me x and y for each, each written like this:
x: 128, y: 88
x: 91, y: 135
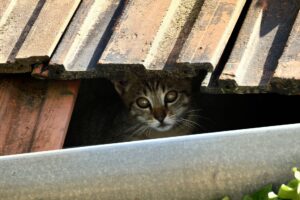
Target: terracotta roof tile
x: 46, y: 31
x: 259, y: 45
x: 15, y: 23
x: 34, y: 114
x: 287, y: 75
x: 83, y: 42
x: 210, y: 33
x: 89, y: 38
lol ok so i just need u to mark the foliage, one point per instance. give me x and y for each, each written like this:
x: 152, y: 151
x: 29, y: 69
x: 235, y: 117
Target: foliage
x: 291, y: 191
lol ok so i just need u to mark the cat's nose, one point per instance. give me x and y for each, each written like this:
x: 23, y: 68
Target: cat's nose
x: 161, y: 118
x: 160, y: 115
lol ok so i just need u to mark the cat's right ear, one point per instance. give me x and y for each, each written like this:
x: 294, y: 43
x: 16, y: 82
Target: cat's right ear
x: 121, y: 86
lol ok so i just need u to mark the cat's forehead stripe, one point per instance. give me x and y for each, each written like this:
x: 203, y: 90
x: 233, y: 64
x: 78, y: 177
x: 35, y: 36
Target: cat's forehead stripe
x: 157, y: 85
x: 145, y: 92
x: 149, y: 87
x: 163, y: 87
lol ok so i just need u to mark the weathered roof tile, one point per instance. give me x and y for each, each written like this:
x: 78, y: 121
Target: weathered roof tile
x: 258, y: 47
x: 210, y: 34
x: 135, y: 32
x: 46, y: 31
x: 34, y: 114
x: 14, y: 25
x: 287, y: 75
x: 112, y: 38
x: 84, y: 39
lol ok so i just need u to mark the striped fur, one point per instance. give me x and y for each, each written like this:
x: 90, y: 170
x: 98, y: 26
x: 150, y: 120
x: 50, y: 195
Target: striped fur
x: 169, y: 107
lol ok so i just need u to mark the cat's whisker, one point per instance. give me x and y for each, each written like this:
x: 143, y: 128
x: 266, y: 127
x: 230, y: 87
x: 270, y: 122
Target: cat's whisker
x: 190, y: 121
x: 182, y: 123
x: 195, y: 110
x: 172, y: 115
x: 195, y: 124
x: 195, y: 115
x: 145, y: 129
x: 189, y: 113
x: 187, y: 125
x: 152, y: 101
x: 140, y: 130
x: 135, y: 131
x: 132, y: 128
x: 148, y: 132
x: 202, y: 117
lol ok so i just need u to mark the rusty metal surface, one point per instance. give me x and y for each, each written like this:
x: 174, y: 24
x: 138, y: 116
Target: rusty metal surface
x: 34, y: 114
x: 204, y: 166
x: 88, y: 39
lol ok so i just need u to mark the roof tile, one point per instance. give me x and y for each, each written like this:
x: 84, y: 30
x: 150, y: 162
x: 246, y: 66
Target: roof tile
x: 82, y: 43
x: 14, y: 26
x: 46, y: 31
x: 210, y: 34
x: 258, y: 47
x: 112, y: 38
x: 34, y: 114
x: 287, y: 75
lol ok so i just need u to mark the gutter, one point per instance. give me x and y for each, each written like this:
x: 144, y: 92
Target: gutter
x: 205, y: 166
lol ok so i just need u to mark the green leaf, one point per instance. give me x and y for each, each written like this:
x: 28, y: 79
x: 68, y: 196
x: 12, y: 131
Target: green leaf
x: 293, y: 183
x: 272, y: 196
x: 286, y: 192
x: 296, y: 173
x: 291, y: 191
x: 298, y: 190
x: 261, y: 194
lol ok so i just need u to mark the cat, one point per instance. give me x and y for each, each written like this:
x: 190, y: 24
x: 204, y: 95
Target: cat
x: 156, y: 108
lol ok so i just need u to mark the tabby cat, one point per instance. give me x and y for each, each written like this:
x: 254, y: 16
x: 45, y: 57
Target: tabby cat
x: 157, y: 108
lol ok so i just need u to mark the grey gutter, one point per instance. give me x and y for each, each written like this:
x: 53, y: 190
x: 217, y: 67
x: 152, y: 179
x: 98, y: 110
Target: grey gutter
x: 205, y: 166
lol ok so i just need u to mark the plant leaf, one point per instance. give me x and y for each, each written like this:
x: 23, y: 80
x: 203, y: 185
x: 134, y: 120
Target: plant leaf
x: 296, y: 173
x: 293, y: 183
x: 286, y: 192
x: 272, y: 196
x: 262, y: 194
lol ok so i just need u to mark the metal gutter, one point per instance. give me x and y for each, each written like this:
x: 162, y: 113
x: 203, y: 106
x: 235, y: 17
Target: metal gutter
x: 205, y: 166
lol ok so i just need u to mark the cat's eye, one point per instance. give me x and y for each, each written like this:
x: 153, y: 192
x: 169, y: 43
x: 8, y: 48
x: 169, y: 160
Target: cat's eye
x: 171, y: 96
x: 143, y: 102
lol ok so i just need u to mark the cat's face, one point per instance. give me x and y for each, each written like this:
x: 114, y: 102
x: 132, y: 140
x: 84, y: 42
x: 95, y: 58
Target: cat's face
x: 157, y: 104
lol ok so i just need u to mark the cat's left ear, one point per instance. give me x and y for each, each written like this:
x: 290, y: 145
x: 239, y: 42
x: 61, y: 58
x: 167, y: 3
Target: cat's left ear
x: 121, y: 86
